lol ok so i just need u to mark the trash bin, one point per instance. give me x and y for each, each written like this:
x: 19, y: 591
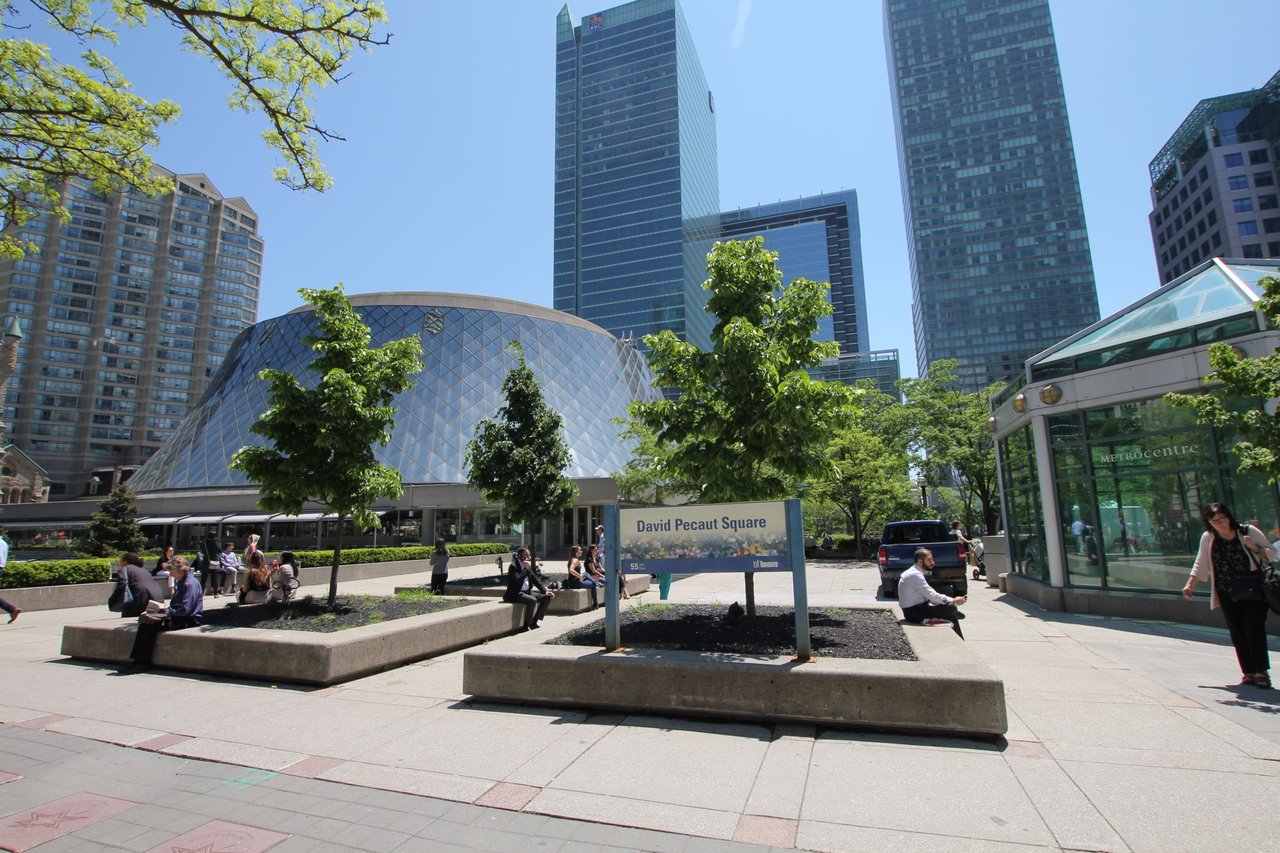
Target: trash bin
x: 996, y: 556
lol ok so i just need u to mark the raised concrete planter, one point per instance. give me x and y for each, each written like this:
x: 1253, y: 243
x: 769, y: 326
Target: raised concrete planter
x: 95, y: 594
x: 947, y: 691
x: 299, y: 656
x: 567, y: 601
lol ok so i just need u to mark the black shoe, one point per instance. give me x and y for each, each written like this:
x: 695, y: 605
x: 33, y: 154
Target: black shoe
x: 133, y: 669
x: 534, y: 626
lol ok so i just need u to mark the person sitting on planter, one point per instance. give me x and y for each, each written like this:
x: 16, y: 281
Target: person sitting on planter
x: 284, y: 578
x: 228, y: 564
x: 161, y: 571
x: 521, y: 581
x: 257, y: 580
x: 134, y: 588
x: 919, y: 601
x: 580, y: 577
x: 185, y: 610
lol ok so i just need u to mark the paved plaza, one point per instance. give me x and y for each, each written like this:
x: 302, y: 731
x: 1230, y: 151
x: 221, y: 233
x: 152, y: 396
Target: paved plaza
x: 1123, y: 735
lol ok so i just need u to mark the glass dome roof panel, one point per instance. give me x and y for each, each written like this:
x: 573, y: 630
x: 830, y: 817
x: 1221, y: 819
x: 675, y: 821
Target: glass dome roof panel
x: 1206, y: 296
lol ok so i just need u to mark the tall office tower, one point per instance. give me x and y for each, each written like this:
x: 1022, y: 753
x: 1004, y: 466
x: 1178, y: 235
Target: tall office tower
x: 1000, y: 264
x: 1213, y: 184
x: 127, y: 311
x: 819, y: 239
x: 637, y: 198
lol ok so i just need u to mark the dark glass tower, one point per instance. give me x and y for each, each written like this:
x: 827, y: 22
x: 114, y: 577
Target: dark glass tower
x: 1000, y: 264
x: 637, y: 195
x: 819, y: 239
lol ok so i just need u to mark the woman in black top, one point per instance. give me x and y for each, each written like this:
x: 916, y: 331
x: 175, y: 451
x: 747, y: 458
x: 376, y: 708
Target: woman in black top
x: 1221, y: 557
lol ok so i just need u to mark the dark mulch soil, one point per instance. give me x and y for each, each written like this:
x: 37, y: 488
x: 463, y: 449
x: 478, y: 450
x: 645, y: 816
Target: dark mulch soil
x: 833, y: 632
x: 350, y: 611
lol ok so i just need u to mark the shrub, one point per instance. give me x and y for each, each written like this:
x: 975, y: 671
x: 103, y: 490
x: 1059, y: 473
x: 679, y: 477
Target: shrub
x: 844, y: 542
x: 57, y: 572
x: 98, y: 569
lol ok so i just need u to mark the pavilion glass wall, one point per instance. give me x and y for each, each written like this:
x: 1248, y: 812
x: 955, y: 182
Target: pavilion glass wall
x: 1023, y: 509
x: 1130, y: 482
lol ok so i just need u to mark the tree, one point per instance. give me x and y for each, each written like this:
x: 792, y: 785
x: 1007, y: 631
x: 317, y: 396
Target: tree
x: 1245, y: 378
x: 114, y: 527
x: 948, y: 429
x: 870, y: 481
x: 519, y: 460
x: 58, y: 121
x: 321, y: 438
x: 746, y: 422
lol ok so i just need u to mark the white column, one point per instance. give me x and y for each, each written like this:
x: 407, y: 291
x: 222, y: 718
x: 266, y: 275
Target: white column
x: 1048, y: 502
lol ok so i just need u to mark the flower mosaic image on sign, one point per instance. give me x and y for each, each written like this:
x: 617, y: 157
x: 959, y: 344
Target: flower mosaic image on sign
x: 738, y: 537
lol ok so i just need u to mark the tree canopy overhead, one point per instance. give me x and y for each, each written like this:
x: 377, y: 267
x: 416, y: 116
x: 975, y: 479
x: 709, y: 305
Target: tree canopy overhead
x: 59, y: 120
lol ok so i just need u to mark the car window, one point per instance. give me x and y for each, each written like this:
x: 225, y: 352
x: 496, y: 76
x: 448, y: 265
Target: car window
x: 904, y: 534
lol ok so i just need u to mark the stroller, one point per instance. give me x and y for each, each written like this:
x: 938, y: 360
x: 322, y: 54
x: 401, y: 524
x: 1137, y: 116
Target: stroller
x: 979, y: 567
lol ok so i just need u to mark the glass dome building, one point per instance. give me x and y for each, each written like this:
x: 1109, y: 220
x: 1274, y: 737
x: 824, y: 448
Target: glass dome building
x: 587, y: 375
x: 1102, y: 481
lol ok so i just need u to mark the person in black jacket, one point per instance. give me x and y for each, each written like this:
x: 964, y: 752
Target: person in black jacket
x: 131, y: 575
x: 521, y: 582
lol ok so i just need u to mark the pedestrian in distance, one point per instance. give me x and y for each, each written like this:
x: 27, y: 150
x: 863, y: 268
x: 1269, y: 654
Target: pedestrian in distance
x: 14, y: 612
x: 439, y: 566
x: 1230, y: 558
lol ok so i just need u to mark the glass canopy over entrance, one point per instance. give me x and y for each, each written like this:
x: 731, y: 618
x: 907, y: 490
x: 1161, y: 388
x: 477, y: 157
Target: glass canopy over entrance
x: 1211, y: 303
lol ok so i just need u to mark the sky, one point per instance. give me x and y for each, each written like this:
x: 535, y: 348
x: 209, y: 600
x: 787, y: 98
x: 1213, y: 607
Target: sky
x: 444, y: 182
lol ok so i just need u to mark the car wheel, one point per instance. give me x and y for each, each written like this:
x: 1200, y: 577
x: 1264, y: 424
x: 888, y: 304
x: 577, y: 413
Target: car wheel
x: 975, y: 574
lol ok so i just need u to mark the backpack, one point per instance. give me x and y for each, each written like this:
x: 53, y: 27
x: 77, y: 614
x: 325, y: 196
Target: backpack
x: 201, y: 563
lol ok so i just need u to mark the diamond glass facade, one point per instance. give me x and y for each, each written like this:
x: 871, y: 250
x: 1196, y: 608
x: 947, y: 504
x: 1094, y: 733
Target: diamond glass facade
x: 819, y: 239
x: 1000, y: 259
x: 636, y: 186
x: 587, y: 375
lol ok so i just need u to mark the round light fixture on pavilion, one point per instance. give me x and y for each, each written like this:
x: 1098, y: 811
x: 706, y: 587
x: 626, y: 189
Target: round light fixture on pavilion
x: 991, y: 424
x: 1020, y: 403
x: 1050, y: 394
x: 1239, y: 351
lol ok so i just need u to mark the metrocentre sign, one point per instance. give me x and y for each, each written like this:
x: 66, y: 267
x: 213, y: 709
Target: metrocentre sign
x: 733, y: 537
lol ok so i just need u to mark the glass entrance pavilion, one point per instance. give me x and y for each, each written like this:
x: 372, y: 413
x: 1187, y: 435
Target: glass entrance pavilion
x: 1102, y: 481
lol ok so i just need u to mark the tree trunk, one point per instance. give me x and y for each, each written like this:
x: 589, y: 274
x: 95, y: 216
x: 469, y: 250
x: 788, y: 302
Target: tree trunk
x: 751, y: 593
x: 337, y: 561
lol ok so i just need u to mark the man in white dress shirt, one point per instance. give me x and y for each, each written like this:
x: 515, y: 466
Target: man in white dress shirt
x: 919, y: 601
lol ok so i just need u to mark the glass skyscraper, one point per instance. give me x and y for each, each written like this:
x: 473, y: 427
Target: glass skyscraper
x: 637, y: 195
x: 819, y: 239
x: 1000, y: 262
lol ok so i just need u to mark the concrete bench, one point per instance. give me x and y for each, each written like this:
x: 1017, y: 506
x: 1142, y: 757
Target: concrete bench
x: 948, y: 690
x: 299, y: 656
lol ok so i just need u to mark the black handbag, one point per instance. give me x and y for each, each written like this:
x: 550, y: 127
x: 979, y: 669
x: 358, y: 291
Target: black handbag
x: 1259, y: 585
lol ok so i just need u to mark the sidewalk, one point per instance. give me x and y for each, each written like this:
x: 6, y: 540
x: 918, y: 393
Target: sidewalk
x: 1123, y: 736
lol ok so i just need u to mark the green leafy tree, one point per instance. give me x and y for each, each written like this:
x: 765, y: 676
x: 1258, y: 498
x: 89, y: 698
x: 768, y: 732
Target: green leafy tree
x: 321, y: 439
x: 746, y: 422
x: 1244, y: 378
x: 59, y: 120
x: 948, y: 429
x: 519, y: 459
x: 114, y: 527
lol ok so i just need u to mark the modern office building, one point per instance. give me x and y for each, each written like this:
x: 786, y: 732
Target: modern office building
x: 636, y: 184
x: 881, y: 366
x: 127, y: 311
x: 1214, y: 183
x: 1000, y: 261
x: 819, y: 239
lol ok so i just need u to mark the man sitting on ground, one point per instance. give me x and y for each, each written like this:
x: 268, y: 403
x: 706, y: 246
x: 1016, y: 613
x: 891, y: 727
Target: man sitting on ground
x: 919, y: 601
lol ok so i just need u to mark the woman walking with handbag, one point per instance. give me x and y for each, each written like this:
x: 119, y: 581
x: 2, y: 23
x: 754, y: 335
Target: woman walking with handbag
x: 1236, y: 580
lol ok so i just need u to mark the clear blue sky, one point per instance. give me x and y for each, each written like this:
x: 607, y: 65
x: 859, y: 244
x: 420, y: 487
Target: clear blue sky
x: 445, y: 181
